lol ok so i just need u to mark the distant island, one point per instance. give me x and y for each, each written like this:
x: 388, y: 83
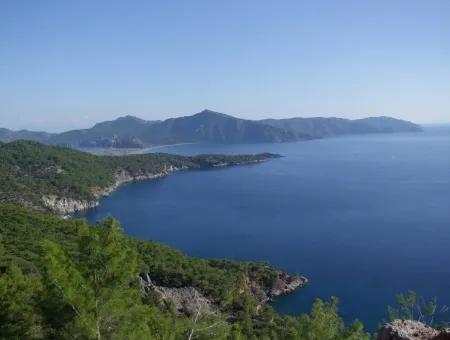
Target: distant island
x: 209, y: 127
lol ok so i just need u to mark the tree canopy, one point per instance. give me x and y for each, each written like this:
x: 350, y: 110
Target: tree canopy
x: 62, y: 279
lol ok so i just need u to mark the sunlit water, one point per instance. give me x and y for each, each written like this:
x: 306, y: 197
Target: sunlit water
x: 363, y: 217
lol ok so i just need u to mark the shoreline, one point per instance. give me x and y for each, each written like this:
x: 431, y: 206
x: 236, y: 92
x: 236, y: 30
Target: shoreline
x: 66, y: 207
x: 127, y: 151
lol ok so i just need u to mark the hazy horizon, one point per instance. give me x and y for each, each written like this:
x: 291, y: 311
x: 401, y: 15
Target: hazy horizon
x: 69, y: 65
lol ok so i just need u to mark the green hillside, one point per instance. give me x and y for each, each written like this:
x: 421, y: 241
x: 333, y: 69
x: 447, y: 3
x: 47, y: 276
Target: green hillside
x: 30, y: 171
x: 62, y: 279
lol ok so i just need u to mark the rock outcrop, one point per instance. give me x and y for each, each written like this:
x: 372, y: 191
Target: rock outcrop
x: 411, y: 330
x: 123, y: 177
x: 283, y: 284
x: 185, y: 299
x: 65, y: 205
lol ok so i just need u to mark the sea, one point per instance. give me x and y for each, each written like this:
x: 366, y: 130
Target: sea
x: 363, y: 217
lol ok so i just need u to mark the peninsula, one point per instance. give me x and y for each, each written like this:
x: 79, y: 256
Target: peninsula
x: 64, y: 180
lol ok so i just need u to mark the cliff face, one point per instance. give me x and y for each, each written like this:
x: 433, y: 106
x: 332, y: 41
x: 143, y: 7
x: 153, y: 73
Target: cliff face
x: 411, y: 330
x: 66, y: 205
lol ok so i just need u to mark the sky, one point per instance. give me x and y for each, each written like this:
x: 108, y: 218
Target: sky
x: 69, y: 64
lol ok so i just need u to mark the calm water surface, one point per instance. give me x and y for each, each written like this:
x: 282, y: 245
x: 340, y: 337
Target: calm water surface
x: 362, y: 217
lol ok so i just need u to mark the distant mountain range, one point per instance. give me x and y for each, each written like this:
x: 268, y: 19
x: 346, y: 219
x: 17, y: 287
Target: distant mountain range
x: 209, y: 127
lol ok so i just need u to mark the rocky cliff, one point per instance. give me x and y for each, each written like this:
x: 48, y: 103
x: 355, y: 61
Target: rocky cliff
x: 283, y: 284
x: 66, y: 205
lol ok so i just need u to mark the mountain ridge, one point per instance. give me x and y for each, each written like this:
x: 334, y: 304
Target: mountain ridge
x: 209, y: 126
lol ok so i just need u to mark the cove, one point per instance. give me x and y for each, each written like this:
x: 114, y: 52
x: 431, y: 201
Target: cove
x: 363, y: 217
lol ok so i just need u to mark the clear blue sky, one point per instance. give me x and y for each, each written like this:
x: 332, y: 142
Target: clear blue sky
x: 67, y: 64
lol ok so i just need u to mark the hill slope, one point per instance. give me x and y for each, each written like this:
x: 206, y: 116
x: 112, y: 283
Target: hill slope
x: 326, y: 127
x: 7, y: 135
x: 123, y: 132
x: 65, y: 279
x: 214, y: 127
x: 67, y: 180
x: 206, y: 126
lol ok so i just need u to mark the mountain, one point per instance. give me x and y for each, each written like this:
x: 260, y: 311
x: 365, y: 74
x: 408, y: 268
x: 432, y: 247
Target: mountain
x: 325, y: 127
x: 213, y: 127
x: 206, y: 126
x: 209, y: 127
x: 122, y: 132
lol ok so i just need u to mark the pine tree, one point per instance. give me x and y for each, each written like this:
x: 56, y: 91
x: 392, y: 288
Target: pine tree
x: 18, y: 316
x: 97, y: 284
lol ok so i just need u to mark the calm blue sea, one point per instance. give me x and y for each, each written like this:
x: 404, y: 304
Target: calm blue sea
x: 363, y: 217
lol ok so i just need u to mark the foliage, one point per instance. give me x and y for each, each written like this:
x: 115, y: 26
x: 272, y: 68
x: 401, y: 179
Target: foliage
x: 221, y: 280
x: 412, y: 307
x: 325, y: 323
x: 19, y: 315
x: 96, y: 284
x: 67, y: 279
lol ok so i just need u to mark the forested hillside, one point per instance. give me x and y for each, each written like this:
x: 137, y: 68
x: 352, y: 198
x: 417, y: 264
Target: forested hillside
x: 62, y: 179
x: 62, y: 279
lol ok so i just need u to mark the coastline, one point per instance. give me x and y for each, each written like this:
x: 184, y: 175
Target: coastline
x: 66, y: 206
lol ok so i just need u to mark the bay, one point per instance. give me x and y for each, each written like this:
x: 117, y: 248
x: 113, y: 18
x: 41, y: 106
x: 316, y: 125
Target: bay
x: 363, y: 217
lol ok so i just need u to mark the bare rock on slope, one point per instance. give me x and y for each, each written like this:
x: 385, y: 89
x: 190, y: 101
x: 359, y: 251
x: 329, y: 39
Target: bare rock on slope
x: 411, y: 330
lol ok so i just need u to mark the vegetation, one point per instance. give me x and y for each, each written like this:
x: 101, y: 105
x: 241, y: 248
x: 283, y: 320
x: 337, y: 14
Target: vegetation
x: 63, y: 279
x: 412, y: 307
x: 29, y: 170
x: 66, y: 279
